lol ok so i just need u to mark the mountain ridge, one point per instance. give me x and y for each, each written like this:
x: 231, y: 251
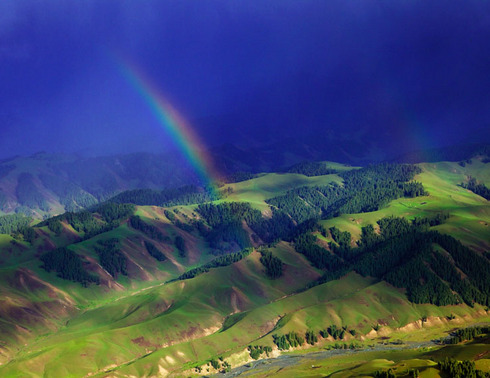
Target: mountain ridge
x: 48, y: 184
x: 202, y: 299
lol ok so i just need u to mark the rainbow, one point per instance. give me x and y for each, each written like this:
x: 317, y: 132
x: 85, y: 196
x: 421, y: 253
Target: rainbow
x: 177, y: 127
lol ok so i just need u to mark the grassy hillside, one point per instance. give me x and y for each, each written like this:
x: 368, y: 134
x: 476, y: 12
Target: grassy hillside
x: 470, y: 214
x: 169, y: 325
x: 142, y: 320
x: 269, y: 185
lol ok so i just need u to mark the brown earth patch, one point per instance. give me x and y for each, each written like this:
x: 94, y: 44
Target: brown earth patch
x: 363, y: 301
x: 142, y: 342
x: 105, y: 278
x: 24, y: 280
x: 269, y: 325
x: 482, y: 355
x: 70, y: 233
x: 238, y: 300
x: 160, y: 307
x: 135, y: 270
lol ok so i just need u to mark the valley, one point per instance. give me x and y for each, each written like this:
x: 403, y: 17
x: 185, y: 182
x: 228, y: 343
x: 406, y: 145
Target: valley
x: 193, y: 282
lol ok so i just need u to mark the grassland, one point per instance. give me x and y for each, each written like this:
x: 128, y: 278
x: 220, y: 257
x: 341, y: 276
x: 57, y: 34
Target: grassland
x: 469, y: 213
x: 269, y: 185
x: 168, y: 326
x: 143, y: 325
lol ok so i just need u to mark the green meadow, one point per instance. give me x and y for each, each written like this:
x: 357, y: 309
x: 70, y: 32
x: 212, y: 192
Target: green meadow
x: 469, y: 213
x: 269, y: 185
x: 149, y: 324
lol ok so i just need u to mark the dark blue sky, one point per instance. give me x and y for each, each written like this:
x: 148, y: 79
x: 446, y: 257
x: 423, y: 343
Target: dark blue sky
x: 414, y: 73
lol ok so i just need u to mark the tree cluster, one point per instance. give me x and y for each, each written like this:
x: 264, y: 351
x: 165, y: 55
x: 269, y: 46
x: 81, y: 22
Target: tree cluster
x: 311, y: 168
x: 319, y: 257
x: 461, y: 369
x: 113, y: 211
x: 343, y: 238
x: 271, y: 229
x: 12, y: 223
x: 289, y: 340
x: 186, y: 195
x: 238, y: 177
x: 83, y: 221
x: 477, y: 188
x: 403, y: 254
x: 111, y: 258
x: 275, y: 228
x: 181, y: 247
x: 28, y: 234
x: 87, y: 222
x: 54, y: 225
x: 68, y: 265
x: 311, y: 337
x: 217, y: 262
x: 425, y: 222
x: 170, y: 215
x: 28, y: 193
x: 384, y: 374
x: 466, y: 334
x: 71, y: 196
x: 227, y: 212
x: 257, y: 350
x: 272, y: 265
x: 149, y: 230
x: 3, y: 201
x: 154, y: 251
x: 336, y: 333
x: 309, y: 202
x: 227, y: 238
x: 364, y: 190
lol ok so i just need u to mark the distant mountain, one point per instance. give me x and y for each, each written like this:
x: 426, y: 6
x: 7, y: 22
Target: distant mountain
x: 451, y: 153
x: 287, y: 151
x: 47, y: 184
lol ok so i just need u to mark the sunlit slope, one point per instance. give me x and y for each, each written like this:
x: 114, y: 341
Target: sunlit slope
x: 142, y: 267
x: 140, y: 324
x: 315, y: 309
x: 34, y: 301
x: 269, y: 185
x: 182, y: 323
x: 169, y: 314
x: 469, y: 213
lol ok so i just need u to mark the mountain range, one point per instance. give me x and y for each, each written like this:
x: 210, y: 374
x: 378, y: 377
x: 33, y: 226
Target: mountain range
x: 317, y: 257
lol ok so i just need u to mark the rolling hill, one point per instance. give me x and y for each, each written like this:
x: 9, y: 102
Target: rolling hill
x: 181, y: 288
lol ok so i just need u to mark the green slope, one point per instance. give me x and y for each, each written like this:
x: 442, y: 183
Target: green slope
x: 470, y: 213
x: 269, y: 185
x: 142, y: 324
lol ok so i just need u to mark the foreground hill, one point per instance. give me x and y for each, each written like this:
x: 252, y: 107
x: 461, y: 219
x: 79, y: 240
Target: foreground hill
x: 144, y: 289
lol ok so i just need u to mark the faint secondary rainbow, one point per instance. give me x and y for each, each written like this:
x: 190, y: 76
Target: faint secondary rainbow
x: 177, y: 127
